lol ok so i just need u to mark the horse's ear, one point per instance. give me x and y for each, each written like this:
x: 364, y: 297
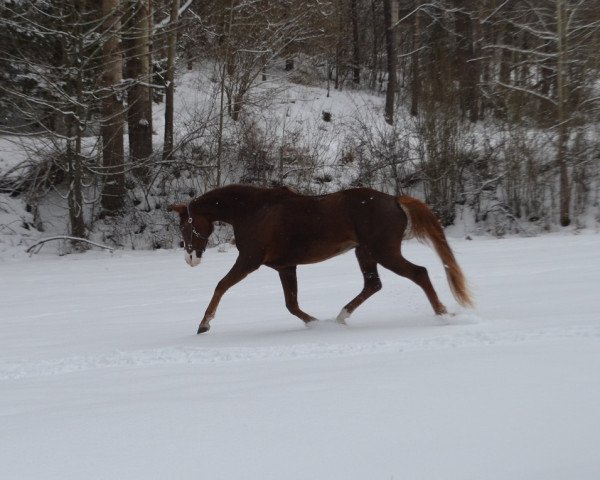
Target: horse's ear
x: 180, y: 208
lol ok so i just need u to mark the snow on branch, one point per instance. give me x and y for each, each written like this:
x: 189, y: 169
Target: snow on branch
x: 36, y: 247
x: 165, y: 21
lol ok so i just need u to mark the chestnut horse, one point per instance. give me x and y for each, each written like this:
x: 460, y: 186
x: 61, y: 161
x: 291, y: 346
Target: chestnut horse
x: 282, y: 229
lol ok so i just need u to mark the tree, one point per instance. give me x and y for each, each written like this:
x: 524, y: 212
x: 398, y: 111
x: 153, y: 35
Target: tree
x: 466, y: 62
x: 48, y: 85
x: 138, y: 77
x: 561, y: 110
x: 355, y: 42
x: 74, y: 128
x: 170, y: 79
x: 554, y: 71
x: 111, y: 123
x: 252, y: 36
x: 415, y: 76
x: 390, y: 48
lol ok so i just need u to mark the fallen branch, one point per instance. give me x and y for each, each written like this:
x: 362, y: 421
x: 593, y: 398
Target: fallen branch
x: 33, y: 249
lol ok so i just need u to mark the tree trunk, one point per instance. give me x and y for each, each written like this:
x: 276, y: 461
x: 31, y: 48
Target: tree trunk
x: 415, y: 82
x: 113, y: 191
x: 75, y: 130
x: 563, y: 131
x: 465, y: 62
x: 150, y: 19
x: 355, y: 42
x: 170, y: 79
x: 374, y: 45
x: 390, y: 47
x: 506, y: 37
x: 137, y: 68
x: 474, y: 69
x: 338, y: 45
x: 75, y: 193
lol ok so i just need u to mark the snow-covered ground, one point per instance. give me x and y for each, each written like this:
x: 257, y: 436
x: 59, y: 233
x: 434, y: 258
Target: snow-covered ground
x: 103, y: 377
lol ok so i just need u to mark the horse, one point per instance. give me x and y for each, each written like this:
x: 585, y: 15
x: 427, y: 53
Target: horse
x: 282, y: 229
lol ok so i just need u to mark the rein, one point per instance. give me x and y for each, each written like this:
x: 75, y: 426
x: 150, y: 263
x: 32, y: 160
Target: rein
x: 193, y: 232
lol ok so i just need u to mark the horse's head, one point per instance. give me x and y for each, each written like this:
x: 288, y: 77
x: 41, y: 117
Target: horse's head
x: 195, y: 230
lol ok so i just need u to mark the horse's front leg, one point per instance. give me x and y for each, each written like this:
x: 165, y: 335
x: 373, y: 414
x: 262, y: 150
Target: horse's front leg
x: 238, y: 272
x: 289, y: 282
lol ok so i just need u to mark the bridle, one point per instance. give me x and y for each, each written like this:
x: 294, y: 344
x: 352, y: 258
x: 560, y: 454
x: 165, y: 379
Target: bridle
x: 193, y: 232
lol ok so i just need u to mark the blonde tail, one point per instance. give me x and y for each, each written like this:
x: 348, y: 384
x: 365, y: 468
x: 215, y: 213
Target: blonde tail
x: 425, y: 227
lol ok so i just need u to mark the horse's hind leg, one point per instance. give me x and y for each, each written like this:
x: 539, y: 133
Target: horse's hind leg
x: 399, y: 265
x: 368, y: 267
x: 289, y: 282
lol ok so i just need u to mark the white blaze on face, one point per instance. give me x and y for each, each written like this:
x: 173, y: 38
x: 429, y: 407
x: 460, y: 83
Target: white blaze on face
x: 192, y: 259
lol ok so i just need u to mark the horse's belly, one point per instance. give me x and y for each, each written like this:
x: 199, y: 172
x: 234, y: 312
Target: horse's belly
x: 320, y: 252
x: 312, y: 252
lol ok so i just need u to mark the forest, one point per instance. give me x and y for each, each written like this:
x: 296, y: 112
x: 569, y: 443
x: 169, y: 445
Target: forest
x: 487, y: 110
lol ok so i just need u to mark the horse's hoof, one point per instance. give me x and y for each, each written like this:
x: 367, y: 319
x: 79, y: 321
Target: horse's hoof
x: 203, y: 329
x: 343, y: 315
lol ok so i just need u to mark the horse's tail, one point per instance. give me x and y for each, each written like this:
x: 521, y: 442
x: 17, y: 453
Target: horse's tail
x: 424, y: 226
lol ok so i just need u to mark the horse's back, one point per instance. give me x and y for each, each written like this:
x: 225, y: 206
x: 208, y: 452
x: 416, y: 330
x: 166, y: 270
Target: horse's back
x: 308, y: 229
x: 352, y: 209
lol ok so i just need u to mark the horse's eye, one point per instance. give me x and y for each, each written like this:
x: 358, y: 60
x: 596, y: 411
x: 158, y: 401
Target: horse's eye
x: 181, y: 244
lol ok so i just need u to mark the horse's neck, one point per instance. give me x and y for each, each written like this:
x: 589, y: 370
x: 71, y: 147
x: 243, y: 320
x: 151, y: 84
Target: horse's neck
x: 231, y: 205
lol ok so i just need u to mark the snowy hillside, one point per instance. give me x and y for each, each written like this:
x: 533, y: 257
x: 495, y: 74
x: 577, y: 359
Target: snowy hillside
x: 103, y: 377
x: 284, y: 128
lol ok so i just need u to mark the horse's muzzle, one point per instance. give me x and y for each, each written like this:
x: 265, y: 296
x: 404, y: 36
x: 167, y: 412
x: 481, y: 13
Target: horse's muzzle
x: 192, y: 259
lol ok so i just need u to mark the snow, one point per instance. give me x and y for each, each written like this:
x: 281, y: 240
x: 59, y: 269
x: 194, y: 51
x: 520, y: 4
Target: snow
x: 102, y: 375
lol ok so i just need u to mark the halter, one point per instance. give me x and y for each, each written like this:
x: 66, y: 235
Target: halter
x: 193, y: 232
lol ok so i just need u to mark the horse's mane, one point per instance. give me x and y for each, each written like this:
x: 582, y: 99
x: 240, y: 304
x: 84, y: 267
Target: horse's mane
x: 240, y: 190
x: 236, y: 197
